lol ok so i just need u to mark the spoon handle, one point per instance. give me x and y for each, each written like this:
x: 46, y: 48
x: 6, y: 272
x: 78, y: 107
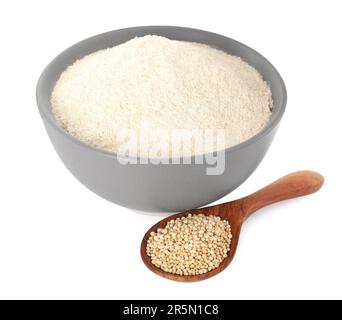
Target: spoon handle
x: 294, y: 185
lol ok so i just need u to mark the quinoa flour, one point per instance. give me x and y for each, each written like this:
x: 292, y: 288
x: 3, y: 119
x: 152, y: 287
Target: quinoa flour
x: 152, y: 83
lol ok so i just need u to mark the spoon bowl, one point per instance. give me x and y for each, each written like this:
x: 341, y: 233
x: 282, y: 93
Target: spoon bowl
x: 236, y: 212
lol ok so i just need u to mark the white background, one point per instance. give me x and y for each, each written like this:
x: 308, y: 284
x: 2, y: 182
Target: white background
x: 59, y: 240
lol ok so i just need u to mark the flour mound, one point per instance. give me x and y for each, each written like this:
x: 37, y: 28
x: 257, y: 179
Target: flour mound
x: 152, y: 83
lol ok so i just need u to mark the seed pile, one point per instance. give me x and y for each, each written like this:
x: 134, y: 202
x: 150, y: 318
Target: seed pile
x: 190, y: 245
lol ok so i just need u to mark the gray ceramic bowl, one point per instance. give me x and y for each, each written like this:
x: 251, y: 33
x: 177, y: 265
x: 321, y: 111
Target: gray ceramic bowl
x: 149, y: 187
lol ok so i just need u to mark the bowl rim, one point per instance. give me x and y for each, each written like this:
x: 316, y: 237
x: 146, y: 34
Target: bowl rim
x: 48, y: 115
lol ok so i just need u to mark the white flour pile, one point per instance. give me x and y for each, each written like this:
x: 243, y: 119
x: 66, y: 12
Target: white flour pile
x: 152, y: 83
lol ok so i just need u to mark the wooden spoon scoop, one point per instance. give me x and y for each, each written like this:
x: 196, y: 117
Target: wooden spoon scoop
x: 296, y: 184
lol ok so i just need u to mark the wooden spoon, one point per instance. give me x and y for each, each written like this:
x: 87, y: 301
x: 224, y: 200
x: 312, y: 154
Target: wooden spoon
x: 296, y: 184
